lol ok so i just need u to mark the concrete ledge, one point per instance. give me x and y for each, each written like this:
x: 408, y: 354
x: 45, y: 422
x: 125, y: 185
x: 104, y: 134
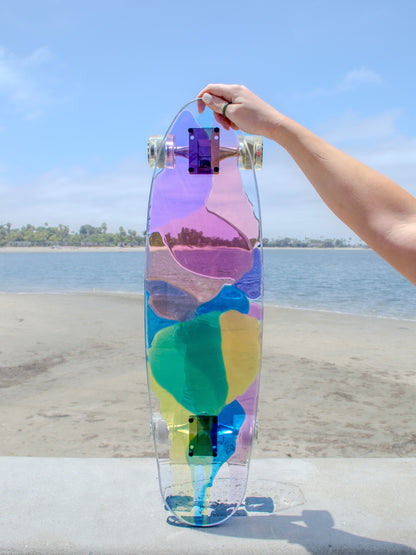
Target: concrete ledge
x: 113, y: 506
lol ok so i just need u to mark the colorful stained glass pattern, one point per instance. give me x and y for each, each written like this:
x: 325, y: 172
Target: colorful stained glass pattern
x: 203, y: 321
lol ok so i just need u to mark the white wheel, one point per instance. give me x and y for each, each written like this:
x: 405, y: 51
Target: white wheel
x: 161, y: 153
x: 153, y: 146
x: 250, y: 152
x: 160, y: 430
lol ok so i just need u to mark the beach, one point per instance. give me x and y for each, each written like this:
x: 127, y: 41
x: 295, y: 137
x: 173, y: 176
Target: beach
x: 73, y: 381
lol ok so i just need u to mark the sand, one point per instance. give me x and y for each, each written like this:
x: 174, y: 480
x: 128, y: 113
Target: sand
x: 73, y: 381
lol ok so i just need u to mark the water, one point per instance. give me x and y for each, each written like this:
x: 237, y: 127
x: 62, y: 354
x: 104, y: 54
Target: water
x: 71, y: 272
x: 349, y: 281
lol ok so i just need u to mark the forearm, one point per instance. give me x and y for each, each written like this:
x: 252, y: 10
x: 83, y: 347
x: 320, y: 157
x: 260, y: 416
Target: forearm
x: 374, y: 207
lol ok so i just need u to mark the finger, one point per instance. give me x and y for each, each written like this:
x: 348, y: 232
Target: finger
x: 216, y: 103
x: 225, y: 122
x: 201, y: 106
x: 223, y: 91
x: 210, y: 101
x: 234, y: 126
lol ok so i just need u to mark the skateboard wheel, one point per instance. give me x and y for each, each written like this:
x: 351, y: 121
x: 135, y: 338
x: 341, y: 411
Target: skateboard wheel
x: 161, y: 153
x: 153, y: 146
x: 161, y: 431
x: 250, y: 152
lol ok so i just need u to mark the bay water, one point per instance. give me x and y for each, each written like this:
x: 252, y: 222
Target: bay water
x: 352, y: 281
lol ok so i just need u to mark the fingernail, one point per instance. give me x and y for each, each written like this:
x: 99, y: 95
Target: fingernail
x: 207, y: 98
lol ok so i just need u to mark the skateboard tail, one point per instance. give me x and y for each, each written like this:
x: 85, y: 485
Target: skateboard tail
x: 207, y: 506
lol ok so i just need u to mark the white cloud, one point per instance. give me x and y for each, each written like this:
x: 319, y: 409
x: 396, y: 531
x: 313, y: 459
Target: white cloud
x: 290, y: 205
x: 351, y: 128
x: 20, y: 79
x: 394, y: 157
x: 352, y: 80
x: 358, y: 77
x: 378, y: 142
x: 39, y: 57
x: 72, y: 197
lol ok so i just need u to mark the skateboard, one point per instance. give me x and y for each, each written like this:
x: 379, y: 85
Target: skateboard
x: 203, y: 313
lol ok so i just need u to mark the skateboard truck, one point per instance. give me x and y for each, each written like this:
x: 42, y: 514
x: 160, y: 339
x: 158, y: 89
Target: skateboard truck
x: 203, y: 432
x: 204, y: 151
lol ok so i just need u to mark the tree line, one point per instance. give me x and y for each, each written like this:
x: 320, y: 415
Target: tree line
x: 307, y: 242
x: 91, y: 236
x: 61, y: 235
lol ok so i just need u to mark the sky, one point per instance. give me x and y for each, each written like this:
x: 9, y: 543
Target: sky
x: 83, y: 83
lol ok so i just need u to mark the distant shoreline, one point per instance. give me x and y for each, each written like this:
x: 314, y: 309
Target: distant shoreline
x: 70, y: 249
x: 142, y: 249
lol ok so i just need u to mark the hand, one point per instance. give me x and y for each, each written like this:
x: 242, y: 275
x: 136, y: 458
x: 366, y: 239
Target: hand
x: 245, y: 111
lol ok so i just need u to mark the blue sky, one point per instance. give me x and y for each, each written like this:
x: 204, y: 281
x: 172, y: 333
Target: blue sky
x: 83, y: 83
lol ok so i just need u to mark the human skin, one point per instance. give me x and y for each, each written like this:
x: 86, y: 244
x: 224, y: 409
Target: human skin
x: 376, y: 208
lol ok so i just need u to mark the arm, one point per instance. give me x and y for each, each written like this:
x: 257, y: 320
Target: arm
x: 377, y: 209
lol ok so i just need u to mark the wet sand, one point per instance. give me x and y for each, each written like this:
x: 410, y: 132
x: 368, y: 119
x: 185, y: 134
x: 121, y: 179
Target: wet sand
x: 73, y: 381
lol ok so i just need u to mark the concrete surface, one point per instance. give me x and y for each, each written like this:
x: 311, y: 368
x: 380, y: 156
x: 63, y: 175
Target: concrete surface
x: 100, y: 506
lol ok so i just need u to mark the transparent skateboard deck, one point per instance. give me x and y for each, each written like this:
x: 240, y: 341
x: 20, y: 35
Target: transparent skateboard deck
x: 203, y: 312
